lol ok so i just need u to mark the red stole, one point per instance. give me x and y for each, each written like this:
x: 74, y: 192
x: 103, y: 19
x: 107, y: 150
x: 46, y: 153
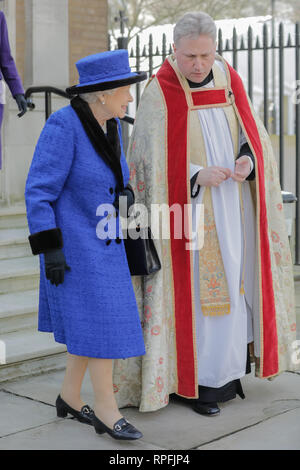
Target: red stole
x: 178, y: 187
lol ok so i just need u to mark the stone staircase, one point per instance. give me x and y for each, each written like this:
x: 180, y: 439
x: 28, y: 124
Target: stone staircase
x: 26, y: 350
x: 29, y: 352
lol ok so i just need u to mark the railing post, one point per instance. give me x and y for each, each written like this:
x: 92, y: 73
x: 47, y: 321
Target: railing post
x: 234, y: 49
x: 138, y: 62
x: 164, y: 47
x: 281, y: 107
x: 297, y: 112
x: 220, y: 42
x: 250, y: 64
x: 274, y: 76
x: 48, y: 104
x: 122, y: 42
x: 266, y: 76
x: 150, y: 55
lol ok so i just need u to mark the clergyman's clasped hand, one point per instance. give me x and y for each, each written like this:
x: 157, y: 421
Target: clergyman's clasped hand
x: 242, y: 169
x: 215, y: 175
x: 55, y: 266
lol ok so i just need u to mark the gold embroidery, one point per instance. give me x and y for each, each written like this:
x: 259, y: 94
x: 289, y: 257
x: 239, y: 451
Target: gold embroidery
x: 215, y: 300
x: 213, y: 283
x: 215, y: 310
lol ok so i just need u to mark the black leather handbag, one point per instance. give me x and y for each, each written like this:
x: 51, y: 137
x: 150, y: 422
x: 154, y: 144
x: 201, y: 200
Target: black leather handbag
x: 141, y: 253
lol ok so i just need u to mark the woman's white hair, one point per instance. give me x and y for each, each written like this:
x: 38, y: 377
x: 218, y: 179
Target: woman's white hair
x: 93, y: 96
x: 193, y: 24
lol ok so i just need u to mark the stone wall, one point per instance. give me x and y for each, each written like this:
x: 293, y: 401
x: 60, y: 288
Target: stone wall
x: 46, y: 37
x: 20, y: 37
x: 87, y: 31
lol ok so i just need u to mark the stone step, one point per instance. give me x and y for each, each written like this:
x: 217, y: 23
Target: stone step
x: 13, y: 216
x: 18, y: 311
x: 31, y: 367
x: 29, y: 352
x: 19, y: 274
x: 14, y: 243
x: 29, y: 344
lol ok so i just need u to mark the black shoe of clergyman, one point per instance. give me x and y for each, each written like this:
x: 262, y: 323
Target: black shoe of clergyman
x: 207, y: 409
x: 122, y: 429
x: 85, y: 415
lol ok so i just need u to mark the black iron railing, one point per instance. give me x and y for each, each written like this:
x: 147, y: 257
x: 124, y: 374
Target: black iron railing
x: 253, y: 44
x: 49, y: 91
x: 234, y: 46
x: 273, y: 46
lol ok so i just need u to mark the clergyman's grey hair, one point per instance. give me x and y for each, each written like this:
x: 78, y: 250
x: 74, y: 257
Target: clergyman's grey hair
x: 93, y: 96
x: 193, y: 24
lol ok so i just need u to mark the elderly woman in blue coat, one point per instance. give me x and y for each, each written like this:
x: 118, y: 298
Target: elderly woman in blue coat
x: 72, y: 195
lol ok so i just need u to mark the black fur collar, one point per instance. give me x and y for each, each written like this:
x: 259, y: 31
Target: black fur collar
x: 108, y: 147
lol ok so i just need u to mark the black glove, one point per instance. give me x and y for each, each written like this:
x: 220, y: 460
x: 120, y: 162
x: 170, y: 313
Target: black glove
x: 123, y: 208
x: 55, y: 266
x: 22, y: 104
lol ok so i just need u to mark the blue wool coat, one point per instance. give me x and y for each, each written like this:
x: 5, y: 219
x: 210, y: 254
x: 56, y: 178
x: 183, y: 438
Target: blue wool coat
x: 94, y: 311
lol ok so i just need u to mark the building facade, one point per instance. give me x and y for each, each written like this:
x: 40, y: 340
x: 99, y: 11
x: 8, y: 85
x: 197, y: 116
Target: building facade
x: 46, y: 39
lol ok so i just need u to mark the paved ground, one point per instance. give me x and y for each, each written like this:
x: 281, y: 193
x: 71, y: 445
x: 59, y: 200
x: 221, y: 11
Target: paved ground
x: 269, y: 418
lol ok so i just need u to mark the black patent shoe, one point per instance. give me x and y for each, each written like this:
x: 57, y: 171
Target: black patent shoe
x: 122, y: 429
x: 206, y: 409
x: 85, y: 415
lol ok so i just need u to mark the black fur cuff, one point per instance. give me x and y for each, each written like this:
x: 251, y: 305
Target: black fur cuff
x: 194, y: 193
x: 41, y: 242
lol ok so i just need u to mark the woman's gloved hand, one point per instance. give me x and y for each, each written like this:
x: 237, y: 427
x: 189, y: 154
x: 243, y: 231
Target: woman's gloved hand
x: 22, y: 104
x: 55, y: 266
x: 126, y: 201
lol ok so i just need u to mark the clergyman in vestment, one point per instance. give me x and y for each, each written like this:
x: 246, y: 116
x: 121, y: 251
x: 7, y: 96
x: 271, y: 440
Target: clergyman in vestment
x: 211, y: 310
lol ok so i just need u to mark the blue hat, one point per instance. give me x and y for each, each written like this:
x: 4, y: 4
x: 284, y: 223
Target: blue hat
x: 105, y: 71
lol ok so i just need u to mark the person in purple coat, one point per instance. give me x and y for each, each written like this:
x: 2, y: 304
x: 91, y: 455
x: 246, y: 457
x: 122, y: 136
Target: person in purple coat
x: 9, y: 72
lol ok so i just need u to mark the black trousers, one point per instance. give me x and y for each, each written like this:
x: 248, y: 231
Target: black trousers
x: 221, y: 394
x: 227, y: 392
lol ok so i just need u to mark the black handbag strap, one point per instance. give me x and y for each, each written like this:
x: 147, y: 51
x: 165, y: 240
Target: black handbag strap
x: 108, y: 148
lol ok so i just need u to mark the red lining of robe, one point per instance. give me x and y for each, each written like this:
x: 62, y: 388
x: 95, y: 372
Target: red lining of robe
x: 270, y: 339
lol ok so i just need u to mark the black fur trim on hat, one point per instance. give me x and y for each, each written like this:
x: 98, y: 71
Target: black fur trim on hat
x: 77, y: 89
x: 44, y: 241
